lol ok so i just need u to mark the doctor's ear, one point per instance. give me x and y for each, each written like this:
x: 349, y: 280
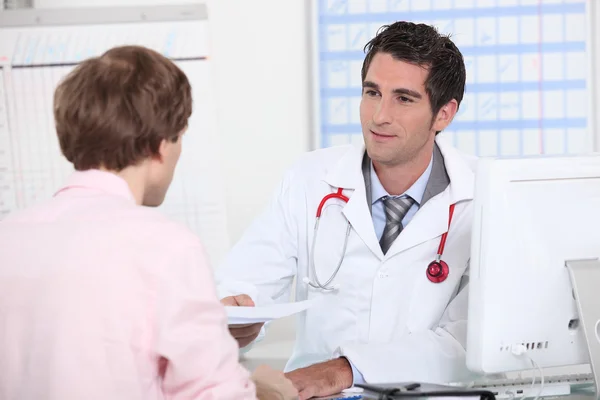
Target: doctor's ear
x: 445, y: 115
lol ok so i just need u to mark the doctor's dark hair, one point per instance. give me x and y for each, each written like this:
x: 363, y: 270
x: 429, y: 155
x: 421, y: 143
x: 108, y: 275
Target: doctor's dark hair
x: 423, y: 45
x: 113, y: 111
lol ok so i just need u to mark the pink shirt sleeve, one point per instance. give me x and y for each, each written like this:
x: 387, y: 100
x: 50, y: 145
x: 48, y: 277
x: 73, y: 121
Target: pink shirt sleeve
x: 201, y: 357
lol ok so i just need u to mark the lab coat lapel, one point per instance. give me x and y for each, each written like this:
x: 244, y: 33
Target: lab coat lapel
x: 347, y: 174
x: 439, y: 179
x: 431, y: 220
x: 428, y: 223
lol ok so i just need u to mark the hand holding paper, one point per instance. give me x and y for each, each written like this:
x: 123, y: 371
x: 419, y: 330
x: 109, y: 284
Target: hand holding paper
x: 245, y: 320
x: 243, y: 333
x: 252, y: 315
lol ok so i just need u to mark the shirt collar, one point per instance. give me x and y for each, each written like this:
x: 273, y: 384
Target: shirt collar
x: 95, y: 179
x: 416, y: 191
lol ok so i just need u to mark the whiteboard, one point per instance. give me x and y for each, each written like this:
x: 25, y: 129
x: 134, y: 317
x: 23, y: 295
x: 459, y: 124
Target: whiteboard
x: 34, y: 58
x: 527, y: 90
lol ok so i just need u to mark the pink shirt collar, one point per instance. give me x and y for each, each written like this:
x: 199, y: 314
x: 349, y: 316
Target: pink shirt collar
x: 95, y: 179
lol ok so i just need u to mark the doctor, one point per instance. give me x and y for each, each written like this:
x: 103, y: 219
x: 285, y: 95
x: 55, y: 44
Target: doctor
x: 388, y: 314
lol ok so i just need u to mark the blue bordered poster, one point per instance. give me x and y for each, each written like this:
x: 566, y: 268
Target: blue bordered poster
x: 527, y: 89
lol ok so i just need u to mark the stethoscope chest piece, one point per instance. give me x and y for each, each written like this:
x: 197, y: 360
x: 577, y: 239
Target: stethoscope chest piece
x: 437, y: 271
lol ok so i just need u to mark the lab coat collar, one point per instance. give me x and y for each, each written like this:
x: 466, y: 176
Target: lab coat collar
x: 461, y: 173
x: 347, y: 172
x: 429, y: 222
x: 98, y: 180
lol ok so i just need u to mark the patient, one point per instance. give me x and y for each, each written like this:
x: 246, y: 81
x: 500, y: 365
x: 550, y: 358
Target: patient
x: 101, y: 298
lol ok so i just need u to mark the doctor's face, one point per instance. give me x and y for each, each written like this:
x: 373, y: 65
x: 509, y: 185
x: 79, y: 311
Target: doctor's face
x: 395, y: 111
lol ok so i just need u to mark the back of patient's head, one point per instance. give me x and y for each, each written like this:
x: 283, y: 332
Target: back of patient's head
x: 113, y: 111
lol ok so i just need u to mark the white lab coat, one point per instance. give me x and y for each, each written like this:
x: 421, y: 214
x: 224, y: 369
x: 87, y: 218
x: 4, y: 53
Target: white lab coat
x: 387, y: 318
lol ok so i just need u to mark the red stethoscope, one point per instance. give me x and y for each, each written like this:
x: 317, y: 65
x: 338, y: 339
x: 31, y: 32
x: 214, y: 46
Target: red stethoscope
x: 437, y: 270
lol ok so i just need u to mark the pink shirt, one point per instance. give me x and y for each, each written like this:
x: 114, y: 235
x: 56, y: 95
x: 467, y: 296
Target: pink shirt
x: 103, y: 299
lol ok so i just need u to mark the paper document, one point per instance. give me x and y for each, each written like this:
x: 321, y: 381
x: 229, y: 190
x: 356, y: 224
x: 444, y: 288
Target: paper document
x: 251, y: 315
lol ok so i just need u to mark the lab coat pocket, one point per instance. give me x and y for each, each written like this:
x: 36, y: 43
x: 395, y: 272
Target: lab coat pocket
x: 429, y: 300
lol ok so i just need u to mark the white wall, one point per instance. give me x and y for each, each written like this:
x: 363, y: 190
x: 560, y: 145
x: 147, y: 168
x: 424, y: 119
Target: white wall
x: 261, y: 55
x: 260, y: 59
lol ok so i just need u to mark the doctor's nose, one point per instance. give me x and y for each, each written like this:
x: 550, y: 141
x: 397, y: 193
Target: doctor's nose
x: 383, y: 114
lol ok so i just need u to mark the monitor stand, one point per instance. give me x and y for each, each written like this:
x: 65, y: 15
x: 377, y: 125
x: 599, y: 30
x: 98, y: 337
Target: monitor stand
x: 585, y: 278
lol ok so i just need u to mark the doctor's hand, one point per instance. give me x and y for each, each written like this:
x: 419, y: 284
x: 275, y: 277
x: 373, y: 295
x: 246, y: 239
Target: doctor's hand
x: 244, y: 334
x: 322, y: 379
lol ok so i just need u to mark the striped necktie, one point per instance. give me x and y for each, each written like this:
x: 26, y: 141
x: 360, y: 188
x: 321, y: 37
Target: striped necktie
x: 395, y: 210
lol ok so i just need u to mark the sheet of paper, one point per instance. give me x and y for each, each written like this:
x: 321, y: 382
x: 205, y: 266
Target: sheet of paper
x: 251, y: 315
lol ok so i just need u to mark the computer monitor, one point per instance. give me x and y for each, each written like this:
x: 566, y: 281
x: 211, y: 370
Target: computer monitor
x: 532, y: 216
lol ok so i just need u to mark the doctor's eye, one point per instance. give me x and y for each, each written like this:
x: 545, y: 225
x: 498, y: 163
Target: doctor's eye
x: 404, y: 99
x: 370, y: 93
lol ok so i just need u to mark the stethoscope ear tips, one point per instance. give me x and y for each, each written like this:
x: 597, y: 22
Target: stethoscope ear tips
x: 306, y: 280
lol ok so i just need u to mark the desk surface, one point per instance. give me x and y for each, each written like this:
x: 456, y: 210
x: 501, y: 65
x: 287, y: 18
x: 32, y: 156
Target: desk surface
x: 578, y: 396
x: 251, y: 363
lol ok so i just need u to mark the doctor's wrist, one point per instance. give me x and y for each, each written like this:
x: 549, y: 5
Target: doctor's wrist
x: 344, y: 374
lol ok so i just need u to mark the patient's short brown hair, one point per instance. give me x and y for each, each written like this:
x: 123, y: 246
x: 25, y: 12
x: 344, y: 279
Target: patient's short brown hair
x: 113, y: 111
